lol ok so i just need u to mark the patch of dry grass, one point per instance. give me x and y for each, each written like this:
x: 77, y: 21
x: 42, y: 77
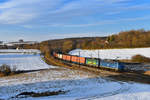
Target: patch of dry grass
x: 34, y: 94
x: 140, y: 59
x: 147, y: 73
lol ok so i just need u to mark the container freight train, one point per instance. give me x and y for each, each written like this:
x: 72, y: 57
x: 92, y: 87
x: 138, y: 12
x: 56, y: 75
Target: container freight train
x: 93, y: 62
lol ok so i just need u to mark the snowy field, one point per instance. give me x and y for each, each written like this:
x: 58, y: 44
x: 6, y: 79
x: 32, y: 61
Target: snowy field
x: 22, y: 61
x: 19, y: 51
x: 78, y: 85
x: 112, y: 53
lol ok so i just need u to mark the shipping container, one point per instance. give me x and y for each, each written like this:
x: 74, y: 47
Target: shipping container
x: 79, y: 60
x: 68, y: 58
x: 92, y: 62
x: 64, y: 57
x: 60, y: 56
x: 82, y: 60
x: 74, y: 59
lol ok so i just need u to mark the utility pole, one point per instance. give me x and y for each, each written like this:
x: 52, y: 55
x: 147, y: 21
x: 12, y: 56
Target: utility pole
x: 79, y: 55
x: 98, y: 54
x: 92, y: 46
x: 91, y: 55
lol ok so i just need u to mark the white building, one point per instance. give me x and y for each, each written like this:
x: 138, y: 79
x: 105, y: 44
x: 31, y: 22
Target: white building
x: 17, y: 43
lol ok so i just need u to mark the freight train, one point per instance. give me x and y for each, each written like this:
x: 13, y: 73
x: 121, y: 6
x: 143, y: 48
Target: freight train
x: 93, y: 62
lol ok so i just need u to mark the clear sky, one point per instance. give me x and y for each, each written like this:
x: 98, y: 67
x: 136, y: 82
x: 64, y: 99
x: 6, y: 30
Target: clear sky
x: 50, y: 19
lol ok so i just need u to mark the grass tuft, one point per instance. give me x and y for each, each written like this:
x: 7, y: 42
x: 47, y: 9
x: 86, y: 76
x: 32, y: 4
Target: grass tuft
x: 6, y: 70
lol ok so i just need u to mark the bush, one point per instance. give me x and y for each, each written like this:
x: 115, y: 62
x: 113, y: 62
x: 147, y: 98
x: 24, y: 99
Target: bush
x: 6, y: 70
x: 141, y: 59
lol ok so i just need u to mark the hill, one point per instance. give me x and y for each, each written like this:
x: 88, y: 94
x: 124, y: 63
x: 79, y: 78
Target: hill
x: 125, y: 39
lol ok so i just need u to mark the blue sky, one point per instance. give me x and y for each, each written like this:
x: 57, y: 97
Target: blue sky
x: 50, y: 19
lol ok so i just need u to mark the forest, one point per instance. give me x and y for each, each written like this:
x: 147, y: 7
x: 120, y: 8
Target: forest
x: 124, y: 39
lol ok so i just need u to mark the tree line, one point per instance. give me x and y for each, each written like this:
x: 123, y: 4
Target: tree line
x: 124, y: 39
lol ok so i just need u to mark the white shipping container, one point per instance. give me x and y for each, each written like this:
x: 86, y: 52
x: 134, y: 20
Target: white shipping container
x: 60, y: 56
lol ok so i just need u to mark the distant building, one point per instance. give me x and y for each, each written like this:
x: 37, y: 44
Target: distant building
x: 14, y: 45
x: 20, y: 42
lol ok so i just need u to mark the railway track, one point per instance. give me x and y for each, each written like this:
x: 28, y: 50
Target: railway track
x: 119, y: 76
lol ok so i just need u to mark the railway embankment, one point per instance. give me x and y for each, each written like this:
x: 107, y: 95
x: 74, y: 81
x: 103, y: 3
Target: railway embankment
x: 140, y: 77
x: 69, y: 44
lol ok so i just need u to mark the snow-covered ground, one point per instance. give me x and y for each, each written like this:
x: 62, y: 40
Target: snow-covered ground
x: 77, y: 84
x: 22, y: 61
x: 19, y: 51
x: 112, y: 53
x: 136, y: 92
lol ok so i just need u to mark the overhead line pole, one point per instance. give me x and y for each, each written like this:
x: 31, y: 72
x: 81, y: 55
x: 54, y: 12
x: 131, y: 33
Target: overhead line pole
x: 79, y: 58
x: 98, y: 54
